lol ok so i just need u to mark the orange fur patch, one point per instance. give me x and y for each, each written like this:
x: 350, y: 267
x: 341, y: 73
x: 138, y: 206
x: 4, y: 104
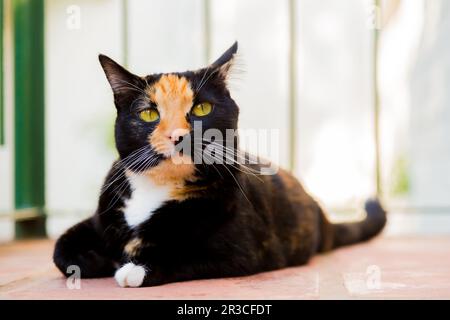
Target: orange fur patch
x: 133, y: 246
x: 170, y: 173
x: 175, y: 172
x: 187, y: 192
x: 174, y: 98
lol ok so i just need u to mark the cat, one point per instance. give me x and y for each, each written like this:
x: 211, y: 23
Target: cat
x: 164, y: 218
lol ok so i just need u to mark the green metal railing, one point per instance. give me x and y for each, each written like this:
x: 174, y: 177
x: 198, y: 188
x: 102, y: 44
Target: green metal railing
x: 29, y: 118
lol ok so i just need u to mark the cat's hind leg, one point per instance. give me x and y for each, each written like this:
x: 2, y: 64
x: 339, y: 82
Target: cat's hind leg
x: 81, y: 246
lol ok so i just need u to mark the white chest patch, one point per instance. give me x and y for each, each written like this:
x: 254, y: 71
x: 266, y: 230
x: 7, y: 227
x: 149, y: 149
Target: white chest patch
x: 145, y: 198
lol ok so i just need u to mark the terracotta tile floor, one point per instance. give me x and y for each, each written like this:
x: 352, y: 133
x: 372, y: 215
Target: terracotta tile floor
x: 387, y: 267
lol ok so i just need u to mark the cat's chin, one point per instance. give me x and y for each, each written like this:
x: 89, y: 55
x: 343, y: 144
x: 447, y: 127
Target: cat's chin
x: 172, y: 171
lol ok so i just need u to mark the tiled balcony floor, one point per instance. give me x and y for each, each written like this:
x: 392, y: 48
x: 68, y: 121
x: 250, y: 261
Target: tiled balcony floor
x: 387, y: 267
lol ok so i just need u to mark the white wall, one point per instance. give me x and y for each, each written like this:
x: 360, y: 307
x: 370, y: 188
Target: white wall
x: 165, y: 36
x: 260, y: 83
x: 335, y: 121
x: 400, y: 37
x: 430, y: 110
x: 80, y: 110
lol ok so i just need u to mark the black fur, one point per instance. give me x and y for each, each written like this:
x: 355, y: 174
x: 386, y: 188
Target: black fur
x: 239, y: 224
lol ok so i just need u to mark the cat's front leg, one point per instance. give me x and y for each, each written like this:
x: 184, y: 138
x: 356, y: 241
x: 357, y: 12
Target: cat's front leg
x: 133, y: 274
x: 83, y: 246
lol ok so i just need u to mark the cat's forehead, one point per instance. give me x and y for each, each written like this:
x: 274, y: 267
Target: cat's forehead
x: 171, y: 92
x: 170, y: 83
x: 173, y: 79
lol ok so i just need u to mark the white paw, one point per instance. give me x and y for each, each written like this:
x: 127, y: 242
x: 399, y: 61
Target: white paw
x: 130, y: 275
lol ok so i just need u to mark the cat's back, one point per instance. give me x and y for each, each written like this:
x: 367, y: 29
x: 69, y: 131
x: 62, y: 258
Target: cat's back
x: 279, y: 187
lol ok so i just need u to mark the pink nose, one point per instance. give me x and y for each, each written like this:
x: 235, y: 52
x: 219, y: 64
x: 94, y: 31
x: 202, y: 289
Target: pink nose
x: 177, y: 135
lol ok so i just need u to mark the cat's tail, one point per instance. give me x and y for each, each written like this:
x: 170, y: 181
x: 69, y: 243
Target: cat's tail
x: 341, y: 234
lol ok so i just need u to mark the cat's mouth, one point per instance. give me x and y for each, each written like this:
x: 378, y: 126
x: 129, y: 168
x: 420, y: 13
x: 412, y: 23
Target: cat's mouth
x: 169, y: 153
x: 165, y: 149
x: 174, y: 149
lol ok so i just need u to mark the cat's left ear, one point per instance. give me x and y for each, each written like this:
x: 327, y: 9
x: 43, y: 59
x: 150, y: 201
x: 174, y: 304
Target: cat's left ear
x: 226, y: 60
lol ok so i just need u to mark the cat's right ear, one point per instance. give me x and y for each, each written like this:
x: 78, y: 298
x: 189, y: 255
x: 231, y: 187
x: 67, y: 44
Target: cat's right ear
x: 225, y: 63
x: 121, y: 80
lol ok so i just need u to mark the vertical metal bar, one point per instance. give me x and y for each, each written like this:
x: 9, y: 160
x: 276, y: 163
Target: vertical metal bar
x: 29, y: 115
x: 125, y: 42
x: 292, y: 84
x: 207, y: 30
x: 2, y: 115
x: 376, y: 98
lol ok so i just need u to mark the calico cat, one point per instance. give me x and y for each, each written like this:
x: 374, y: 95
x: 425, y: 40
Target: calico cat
x: 162, y: 217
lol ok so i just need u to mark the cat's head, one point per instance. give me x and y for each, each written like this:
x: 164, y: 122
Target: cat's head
x: 155, y: 113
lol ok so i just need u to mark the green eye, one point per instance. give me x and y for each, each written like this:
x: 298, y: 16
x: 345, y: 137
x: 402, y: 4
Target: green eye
x: 149, y: 115
x: 202, y: 109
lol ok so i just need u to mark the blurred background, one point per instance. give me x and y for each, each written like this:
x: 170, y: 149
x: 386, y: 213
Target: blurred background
x: 357, y: 89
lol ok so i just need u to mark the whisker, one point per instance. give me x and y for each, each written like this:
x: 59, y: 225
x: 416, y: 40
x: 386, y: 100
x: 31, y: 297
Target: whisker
x: 120, y: 189
x: 237, y: 183
x: 211, y: 164
x: 132, y: 157
x: 207, y: 79
x: 231, y: 152
x: 239, y: 166
x: 203, y: 77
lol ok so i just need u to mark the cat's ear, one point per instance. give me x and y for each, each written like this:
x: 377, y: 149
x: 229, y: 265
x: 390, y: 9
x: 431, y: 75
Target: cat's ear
x: 226, y: 60
x: 121, y: 80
